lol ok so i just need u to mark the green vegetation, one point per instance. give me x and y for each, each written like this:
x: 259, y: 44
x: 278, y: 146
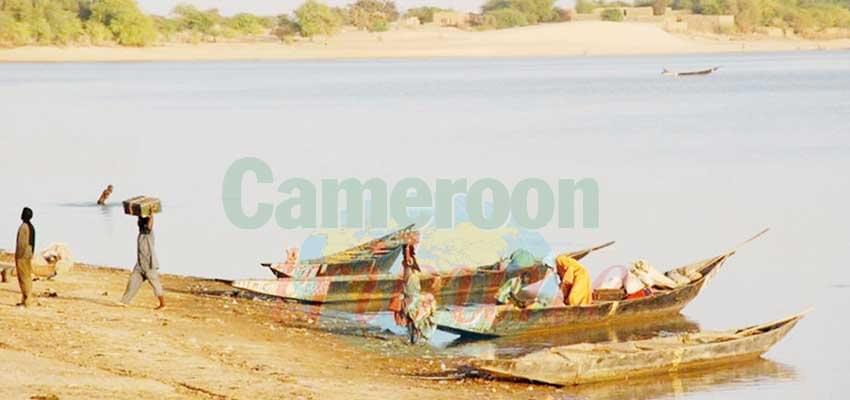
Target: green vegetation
x: 123, y: 18
x: 501, y: 18
x: 373, y: 15
x: 498, y: 14
x: 121, y: 22
x: 285, y: 28
x: 424, y: 14
x: 62, y: 22
x: 804, y: 17
x: 611, y: 14
x: 316, y: 18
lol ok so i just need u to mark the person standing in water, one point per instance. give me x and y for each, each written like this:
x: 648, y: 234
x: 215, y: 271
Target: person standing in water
x: 24, y: 249
x: 147, y: 266
x: 104, y: 195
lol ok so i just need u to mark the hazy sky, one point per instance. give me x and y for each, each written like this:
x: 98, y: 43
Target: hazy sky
x: 227, y: 7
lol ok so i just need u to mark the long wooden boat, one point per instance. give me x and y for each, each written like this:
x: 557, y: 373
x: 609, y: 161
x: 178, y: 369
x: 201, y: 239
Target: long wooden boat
x: 666, y: 71
x: 374, y: 291
x: 483, y: 320
x: 680, y: 384
x: 373, y: 257
x: 585, y: 362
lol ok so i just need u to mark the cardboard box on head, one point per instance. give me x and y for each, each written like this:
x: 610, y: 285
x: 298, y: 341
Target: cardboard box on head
x: 142, y: 206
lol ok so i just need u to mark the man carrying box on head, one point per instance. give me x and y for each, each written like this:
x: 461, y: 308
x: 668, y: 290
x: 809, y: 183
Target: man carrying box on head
x: 147, y: 265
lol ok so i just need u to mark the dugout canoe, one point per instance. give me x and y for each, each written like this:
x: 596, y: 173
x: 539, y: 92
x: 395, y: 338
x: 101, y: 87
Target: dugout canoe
x: 374, y: 291
x: 373, y: 257
x: 585, y: 363
x: 487, y: 320
x: 668, y: 72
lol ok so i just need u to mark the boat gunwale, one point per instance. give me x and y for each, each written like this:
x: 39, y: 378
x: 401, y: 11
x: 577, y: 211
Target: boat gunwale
x: 502, y: 311
x: 777, y: 330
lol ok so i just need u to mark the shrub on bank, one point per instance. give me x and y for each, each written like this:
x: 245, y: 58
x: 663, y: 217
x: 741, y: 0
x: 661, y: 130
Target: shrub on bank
x: 612, y: 14
x: 504, y: 18
x: 316, y: 18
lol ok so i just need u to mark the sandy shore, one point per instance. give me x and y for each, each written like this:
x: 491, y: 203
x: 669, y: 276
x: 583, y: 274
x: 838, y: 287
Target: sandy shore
x: 573, y: 38
x: 210, y: 344
x: 78, y: 344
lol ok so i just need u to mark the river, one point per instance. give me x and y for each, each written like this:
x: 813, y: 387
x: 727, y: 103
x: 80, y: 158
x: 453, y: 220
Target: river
x: 686, y: 168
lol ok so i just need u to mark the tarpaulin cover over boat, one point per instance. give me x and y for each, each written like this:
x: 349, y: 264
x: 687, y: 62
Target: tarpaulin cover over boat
x: 374, y: 256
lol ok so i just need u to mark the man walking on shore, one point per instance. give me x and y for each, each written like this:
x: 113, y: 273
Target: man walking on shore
x: 24, y: 248
x: 147, y: 265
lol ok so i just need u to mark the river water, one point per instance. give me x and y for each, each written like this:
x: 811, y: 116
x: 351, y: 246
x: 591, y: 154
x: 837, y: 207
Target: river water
x: 686, y: 168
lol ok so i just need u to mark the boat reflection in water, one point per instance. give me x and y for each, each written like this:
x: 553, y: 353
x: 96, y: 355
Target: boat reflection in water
x: 517, y: 345
x: 758, y: 372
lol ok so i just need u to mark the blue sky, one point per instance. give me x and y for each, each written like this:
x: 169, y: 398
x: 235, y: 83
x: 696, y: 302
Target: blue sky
x: 270, y: 7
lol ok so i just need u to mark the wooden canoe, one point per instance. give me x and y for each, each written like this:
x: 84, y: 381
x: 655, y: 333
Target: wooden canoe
x: 376, y: 256
x: 585, y: 362
x: 483, y: 320
x: 374, y: 291
x: 666, y: 71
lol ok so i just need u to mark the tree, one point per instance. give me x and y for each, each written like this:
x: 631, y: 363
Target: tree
x: 585, y: 6
x: 126, y: 22
x: 247, y: 24
x: 612, y: 14
x: 424, y: 14
x: 316, y: 18
x: 285, y: 28
x: 12, y: 31
x: 373, y: 15
x: 204, y: 23
x: 505, y: 18
x: 535, y: 11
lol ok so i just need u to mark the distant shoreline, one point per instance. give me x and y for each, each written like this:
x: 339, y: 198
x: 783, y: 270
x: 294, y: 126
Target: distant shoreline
x: 587, y: 38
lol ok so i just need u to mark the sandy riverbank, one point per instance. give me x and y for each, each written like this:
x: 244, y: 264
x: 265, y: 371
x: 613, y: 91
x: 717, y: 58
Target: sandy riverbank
x: 573, y: 38
x: 80, y: 345
x: 210, y: 344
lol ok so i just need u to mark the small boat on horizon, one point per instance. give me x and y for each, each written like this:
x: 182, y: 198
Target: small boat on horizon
x: 668, y: 72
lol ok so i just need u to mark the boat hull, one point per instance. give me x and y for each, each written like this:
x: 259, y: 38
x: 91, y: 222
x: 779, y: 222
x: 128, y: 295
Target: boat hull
x: 374, y: 292
x: 580, y: 364
x: 502, y: 320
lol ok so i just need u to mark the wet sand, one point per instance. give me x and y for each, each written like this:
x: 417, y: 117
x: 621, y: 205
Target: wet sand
x: 559, y: 39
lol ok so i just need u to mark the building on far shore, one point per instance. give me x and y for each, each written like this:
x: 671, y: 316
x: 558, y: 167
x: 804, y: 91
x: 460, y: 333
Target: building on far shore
x: 451, y: 18
x: 672, y: 21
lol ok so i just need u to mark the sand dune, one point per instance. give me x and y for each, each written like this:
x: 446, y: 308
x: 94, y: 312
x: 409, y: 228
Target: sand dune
x: 573, y: 38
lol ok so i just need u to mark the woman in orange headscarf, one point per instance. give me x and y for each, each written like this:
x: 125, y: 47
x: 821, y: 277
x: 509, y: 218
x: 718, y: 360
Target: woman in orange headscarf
x: 575, y: 281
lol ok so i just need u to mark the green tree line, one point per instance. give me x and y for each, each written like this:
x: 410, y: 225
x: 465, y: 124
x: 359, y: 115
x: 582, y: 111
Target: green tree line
x: 805, y: 17
x: 121, y: 22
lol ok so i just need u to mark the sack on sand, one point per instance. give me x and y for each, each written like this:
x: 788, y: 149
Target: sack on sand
x: 53, y: 260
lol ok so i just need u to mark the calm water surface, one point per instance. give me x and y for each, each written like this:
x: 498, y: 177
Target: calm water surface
x: 686, y: 167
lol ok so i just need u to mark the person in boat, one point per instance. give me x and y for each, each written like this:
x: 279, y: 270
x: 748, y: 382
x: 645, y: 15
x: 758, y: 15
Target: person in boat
x: 24, y: 248
x: 104, y: 195
x: 509, y: 292
x: 147, y: 265
x: 418, y: 307
x: 575, y: 281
